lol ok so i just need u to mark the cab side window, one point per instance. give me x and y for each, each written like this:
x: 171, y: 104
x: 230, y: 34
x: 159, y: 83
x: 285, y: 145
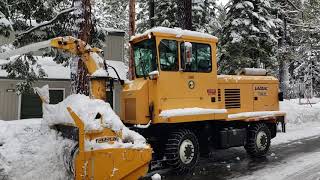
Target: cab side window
x: 168, y: 51
x: 195, y: 57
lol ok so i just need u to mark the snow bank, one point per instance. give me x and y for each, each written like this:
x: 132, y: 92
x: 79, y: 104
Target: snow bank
x: 190, y: 111
x: 303, y: 121
x: 299, y: 114
x: 31, y: 150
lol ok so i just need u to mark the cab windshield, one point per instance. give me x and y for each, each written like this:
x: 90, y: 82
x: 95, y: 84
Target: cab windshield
x: 144, y: 57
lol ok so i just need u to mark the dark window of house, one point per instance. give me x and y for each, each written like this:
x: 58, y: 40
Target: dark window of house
x: 200, y: 60
x: 31, y: 105
x: 168, y: 51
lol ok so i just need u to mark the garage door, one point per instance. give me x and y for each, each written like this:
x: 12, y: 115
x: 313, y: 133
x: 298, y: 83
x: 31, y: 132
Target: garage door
x: 31, y: 103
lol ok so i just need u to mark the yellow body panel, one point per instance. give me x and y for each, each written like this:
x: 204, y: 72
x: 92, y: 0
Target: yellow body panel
x: 170, y: 90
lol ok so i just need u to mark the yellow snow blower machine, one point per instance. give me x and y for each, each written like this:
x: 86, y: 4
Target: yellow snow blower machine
x: 187, y: 107
x: 178, y: 102
x: 109, y: 161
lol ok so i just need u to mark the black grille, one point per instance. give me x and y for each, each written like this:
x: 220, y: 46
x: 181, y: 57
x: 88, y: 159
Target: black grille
x: 232, y: 98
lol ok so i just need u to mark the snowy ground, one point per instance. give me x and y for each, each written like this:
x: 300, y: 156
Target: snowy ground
x: 303, y: 166
x: 303, y: 122
x: 30, y: 150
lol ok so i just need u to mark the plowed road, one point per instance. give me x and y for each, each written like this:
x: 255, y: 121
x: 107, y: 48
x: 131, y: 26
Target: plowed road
x: 291, y: 161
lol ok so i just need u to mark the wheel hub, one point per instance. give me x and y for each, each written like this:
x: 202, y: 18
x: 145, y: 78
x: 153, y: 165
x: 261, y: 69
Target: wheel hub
x: 262, y: 140
x: 186, y: 151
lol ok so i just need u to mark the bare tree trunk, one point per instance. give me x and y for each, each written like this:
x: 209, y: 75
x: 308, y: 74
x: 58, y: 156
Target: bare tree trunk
x: 85, y: 35
x: 151, y: 13
x: 188, y: 14
x: 283, y: 65
x: 185, y: 14
x: 132, y: 20
x: 81, y: 84
x: 181, y: 14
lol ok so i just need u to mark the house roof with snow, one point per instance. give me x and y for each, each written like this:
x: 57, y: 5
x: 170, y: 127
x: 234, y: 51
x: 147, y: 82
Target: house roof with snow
x: 60, y: 72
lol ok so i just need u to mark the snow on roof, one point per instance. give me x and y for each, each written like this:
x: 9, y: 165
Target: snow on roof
x: 58, y: 71
x: 121, y: 68
x: 246, y: 79
x: 176, y: 31
x: 25, y: 49
x: 253, y: 71
x: 113, y: 30
x: 3, y: 62
x: 51, y: 68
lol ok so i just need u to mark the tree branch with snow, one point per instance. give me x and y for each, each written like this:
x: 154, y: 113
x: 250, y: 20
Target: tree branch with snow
x: 46, y: 23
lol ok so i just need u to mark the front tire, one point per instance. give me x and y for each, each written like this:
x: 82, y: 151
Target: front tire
x: 182, y: 150
x: 258, y: 140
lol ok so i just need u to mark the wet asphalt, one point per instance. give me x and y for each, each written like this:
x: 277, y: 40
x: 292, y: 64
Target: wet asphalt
x: 234, y: 162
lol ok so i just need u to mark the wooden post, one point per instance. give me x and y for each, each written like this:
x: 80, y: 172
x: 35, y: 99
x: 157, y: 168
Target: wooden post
x: 132, y: 20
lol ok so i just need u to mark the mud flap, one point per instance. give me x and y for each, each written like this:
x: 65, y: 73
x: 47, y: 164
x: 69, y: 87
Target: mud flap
x: 281, y: 120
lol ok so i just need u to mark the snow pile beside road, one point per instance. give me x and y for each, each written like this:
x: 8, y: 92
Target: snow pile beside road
x: 303, y: 121
x: 30, y: 150
x: 298, y: 114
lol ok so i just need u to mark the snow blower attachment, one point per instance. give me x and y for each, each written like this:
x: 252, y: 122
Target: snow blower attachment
x: 108, y: 163
x: 104, y: 147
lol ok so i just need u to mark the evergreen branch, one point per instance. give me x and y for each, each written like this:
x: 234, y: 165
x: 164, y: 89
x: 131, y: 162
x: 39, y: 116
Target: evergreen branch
x: 294, y: 6
x: 48, y: 22
x: 304, y: 26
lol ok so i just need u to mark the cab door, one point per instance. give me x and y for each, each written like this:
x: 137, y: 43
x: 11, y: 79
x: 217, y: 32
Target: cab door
x: 186, y: 80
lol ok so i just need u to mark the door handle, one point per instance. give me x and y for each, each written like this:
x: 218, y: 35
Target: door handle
x: 255, y: 98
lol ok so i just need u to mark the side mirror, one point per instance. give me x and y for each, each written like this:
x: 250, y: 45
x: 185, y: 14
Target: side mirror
x: 187, y: 56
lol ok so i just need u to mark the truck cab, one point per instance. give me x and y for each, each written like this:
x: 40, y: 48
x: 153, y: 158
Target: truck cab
x: 172, y: 71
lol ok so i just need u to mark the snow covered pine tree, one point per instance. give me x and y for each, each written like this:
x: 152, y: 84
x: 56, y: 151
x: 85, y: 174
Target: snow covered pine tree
x: 249, y: 36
